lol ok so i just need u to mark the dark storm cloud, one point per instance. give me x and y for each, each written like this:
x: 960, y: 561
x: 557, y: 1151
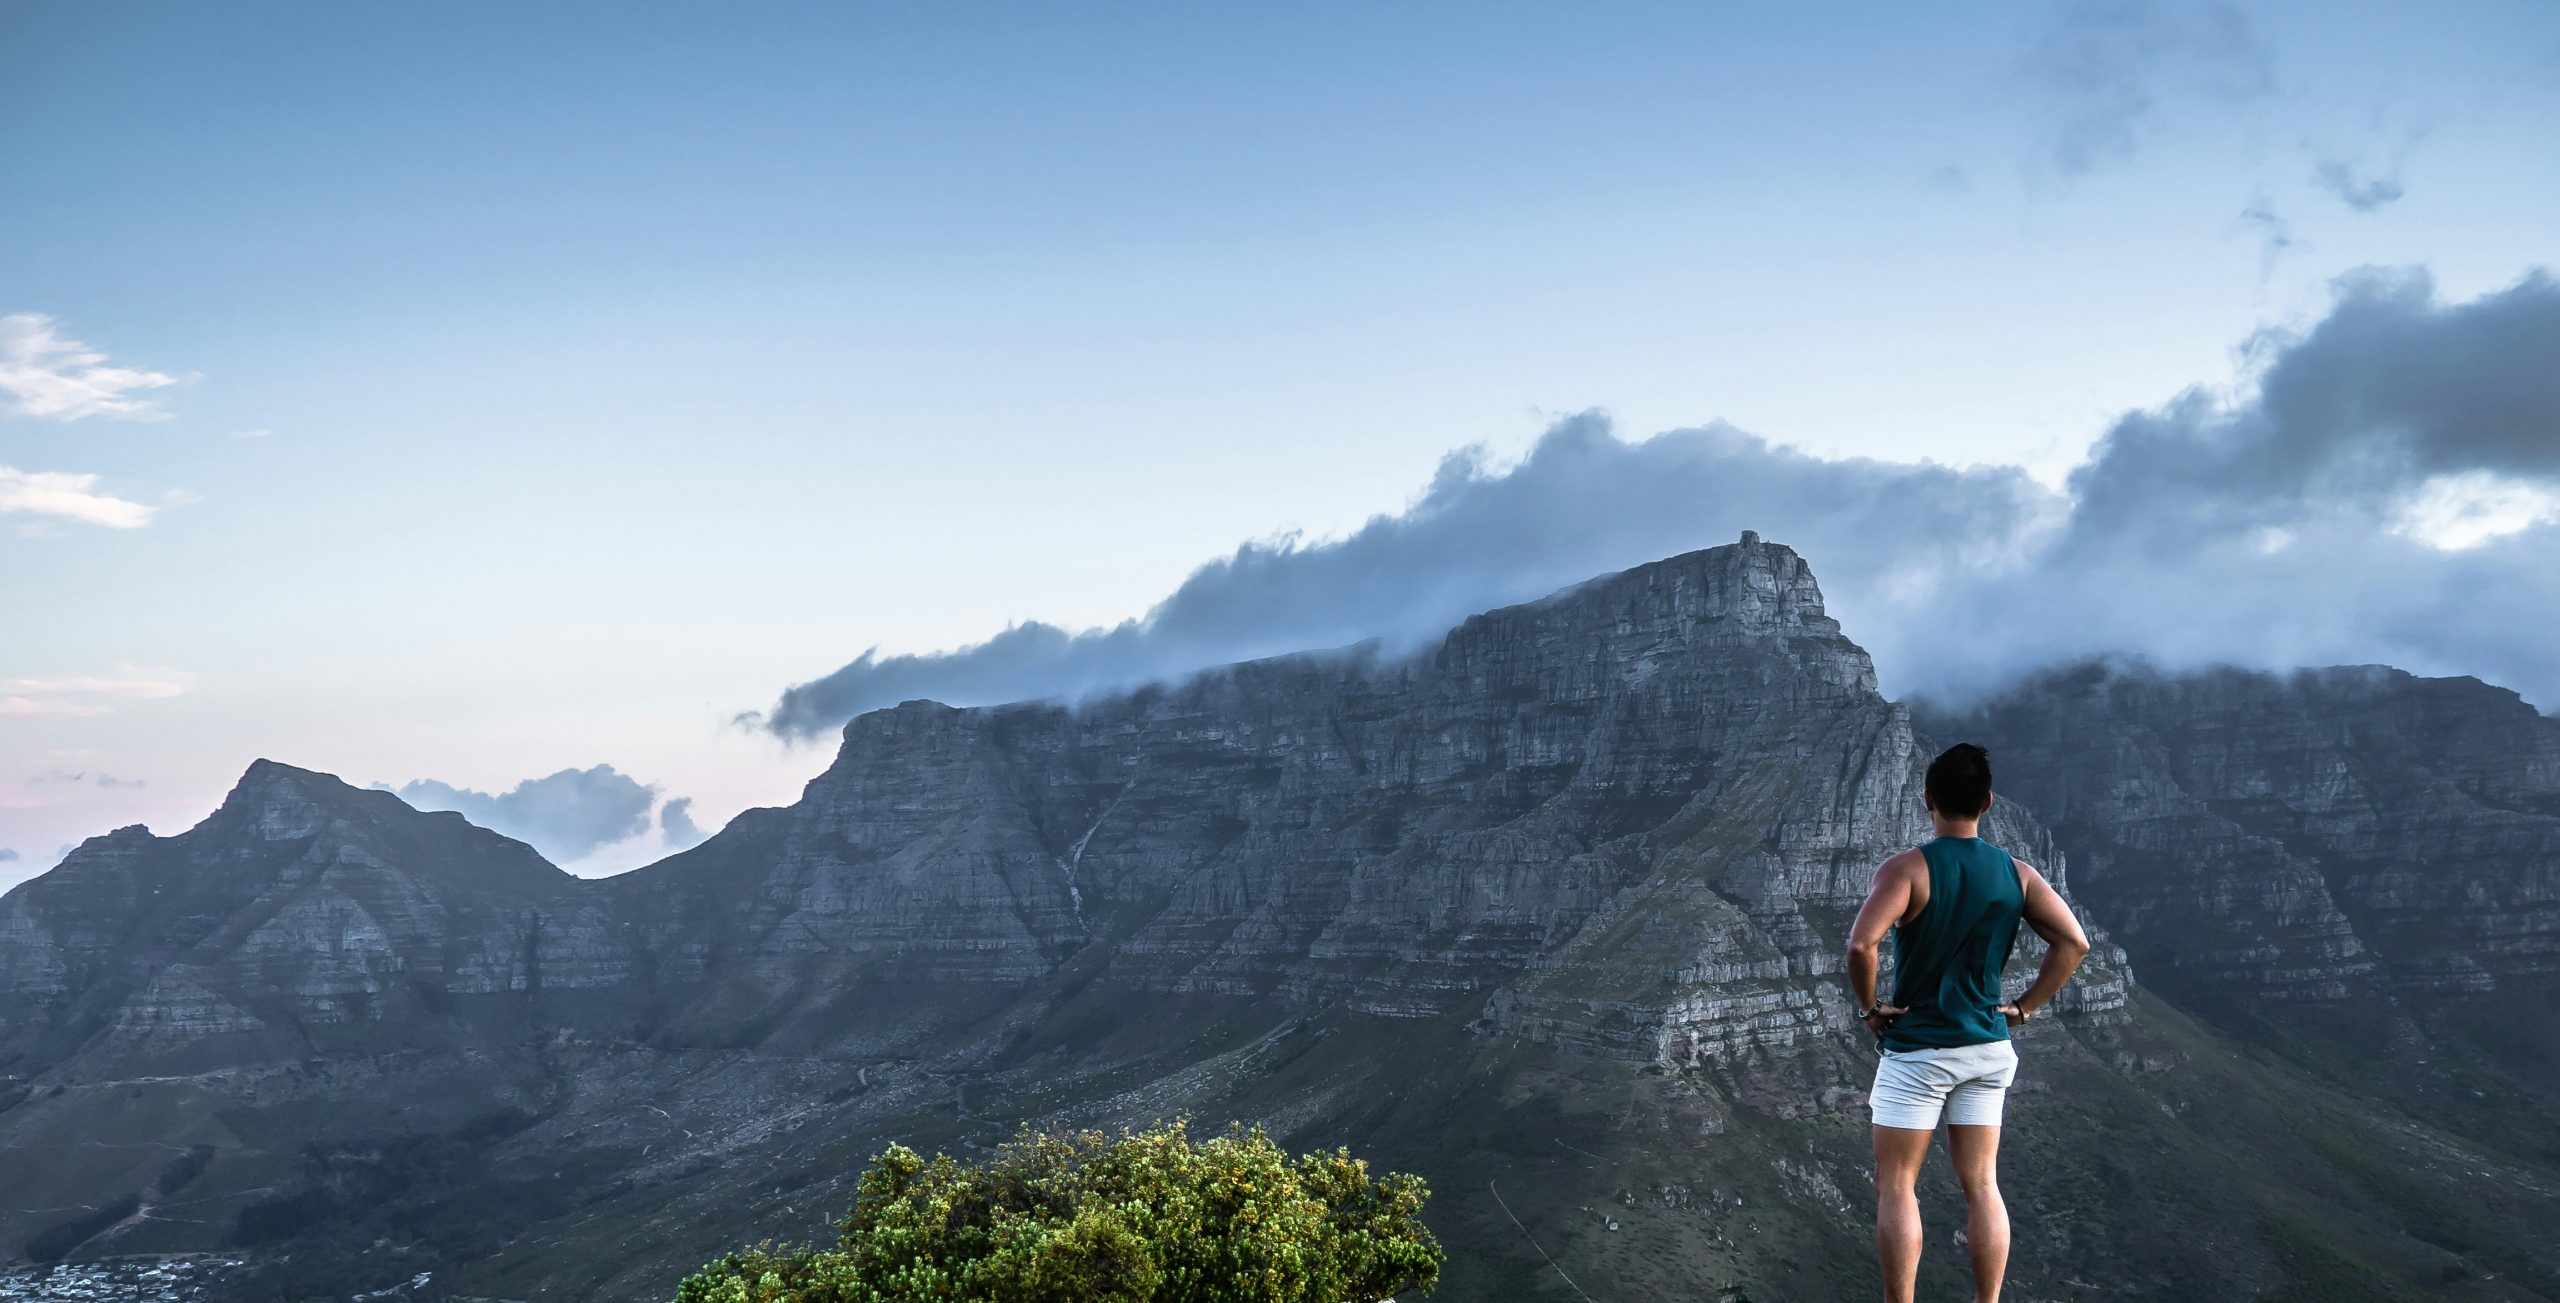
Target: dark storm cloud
x: 676, y: 826
x: 2276, y: 529
x: 2355, y: 189
x: 2105, y: 68
x: 2391, y: 389
x: 2289, y: 528
x: 566, y: 815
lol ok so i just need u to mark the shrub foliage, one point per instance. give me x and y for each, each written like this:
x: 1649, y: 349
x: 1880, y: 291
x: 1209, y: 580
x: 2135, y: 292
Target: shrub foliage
x: 1086, y: 1217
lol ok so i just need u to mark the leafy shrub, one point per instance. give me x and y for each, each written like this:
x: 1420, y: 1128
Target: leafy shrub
x: 181, y: 1171
x: 1086, y: 1217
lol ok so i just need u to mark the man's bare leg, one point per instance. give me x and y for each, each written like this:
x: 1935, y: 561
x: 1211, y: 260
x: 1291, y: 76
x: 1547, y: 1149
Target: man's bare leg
x: 1898, y: 1154
x: 1976, y: 1151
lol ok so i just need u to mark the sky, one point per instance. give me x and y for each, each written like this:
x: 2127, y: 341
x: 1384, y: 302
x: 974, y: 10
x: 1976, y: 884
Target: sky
x: 544, y: 412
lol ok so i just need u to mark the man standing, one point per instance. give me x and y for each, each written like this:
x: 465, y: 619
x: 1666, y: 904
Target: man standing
x: 1954, y: 907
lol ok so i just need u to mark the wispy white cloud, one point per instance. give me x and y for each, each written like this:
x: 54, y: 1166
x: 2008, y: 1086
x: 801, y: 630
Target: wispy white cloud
x: 2275, y: 234
x: 44, y: 374
x: 132, y: 685
x: 84, y: 776
x: 70, y: 496
x: 78, y: 695
x: 2355, y: 188
x: 2454, y: 513
x: 2105, y: 71
x: 20, y: 707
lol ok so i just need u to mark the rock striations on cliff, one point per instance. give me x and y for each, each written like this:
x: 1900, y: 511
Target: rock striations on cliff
x: 2364, y: 858
x: 1630, y: 818
x: 1557, y: 902
x: 303, y: 916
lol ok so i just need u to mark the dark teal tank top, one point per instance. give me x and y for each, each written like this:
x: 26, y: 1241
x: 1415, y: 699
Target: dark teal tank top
x: 1947, y: 962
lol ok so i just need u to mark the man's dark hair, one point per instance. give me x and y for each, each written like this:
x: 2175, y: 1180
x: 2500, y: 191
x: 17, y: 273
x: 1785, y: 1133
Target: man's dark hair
x: 1959, y: 783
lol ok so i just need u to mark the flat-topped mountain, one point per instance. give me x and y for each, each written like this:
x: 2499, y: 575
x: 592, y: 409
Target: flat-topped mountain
x: 1550, y: 912
x: 1626, y: 813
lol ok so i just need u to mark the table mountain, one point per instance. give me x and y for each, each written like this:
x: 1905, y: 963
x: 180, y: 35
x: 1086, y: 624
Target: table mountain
x: 1550, y: 912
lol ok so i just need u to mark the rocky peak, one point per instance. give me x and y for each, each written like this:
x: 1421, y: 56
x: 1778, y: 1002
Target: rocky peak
x: 302, y: 911
x: 1697, y: 609
x: 278, y: 802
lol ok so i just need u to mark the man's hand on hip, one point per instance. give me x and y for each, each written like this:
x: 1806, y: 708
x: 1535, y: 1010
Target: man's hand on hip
x: 1882, y: 1016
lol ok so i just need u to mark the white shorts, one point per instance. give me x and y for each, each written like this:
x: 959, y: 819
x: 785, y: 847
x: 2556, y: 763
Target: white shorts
x: 1968, y: 1082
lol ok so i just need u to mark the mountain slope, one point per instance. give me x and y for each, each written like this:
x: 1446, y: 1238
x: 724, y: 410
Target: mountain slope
x: 1550, y: 913
x: 304, y: 916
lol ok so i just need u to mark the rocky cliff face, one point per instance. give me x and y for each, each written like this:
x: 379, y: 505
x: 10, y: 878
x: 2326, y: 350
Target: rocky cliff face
x: 2356, y: 854
x: 2317, y: 836
x: 302, y: 916
x: 1631, y: 818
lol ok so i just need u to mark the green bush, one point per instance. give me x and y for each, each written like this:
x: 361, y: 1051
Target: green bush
x: 1086, y: 1217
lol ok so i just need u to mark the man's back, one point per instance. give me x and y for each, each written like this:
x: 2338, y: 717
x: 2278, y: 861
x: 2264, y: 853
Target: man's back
x: 1947, y: 960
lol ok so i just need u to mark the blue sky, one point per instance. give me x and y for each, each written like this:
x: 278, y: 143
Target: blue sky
x: 546, y: 386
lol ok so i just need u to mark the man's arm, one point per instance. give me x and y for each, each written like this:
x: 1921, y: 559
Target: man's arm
x: 1887, y: 900
x: 2065, y: 944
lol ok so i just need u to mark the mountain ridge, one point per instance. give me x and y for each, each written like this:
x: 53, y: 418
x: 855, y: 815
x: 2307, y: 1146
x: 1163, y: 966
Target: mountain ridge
x: 1567, y: 888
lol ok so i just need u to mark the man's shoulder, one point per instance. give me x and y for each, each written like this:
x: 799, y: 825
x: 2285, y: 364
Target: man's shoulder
x: 1902, y: 863
x: 2004, y: 853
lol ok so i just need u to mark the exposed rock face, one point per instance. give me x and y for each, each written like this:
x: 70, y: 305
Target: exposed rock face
x: 2364, y: 858
x: 1630, y: 819
x: 2311, y: 836
x: 302, y: 915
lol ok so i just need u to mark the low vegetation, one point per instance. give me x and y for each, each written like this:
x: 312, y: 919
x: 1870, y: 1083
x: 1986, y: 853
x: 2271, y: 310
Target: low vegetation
x: 1087, y: 1217
x: 57, y: 1242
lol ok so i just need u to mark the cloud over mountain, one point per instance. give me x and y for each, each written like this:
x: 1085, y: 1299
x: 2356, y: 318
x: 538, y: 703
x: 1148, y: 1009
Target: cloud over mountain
x: 565, y: 815
x: 2389, y: 470
x: 676, y: 827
